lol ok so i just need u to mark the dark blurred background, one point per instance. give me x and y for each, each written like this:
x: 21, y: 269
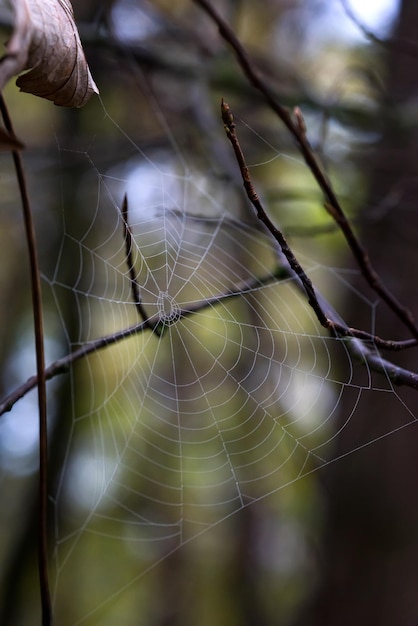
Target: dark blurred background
x: 338, y: 546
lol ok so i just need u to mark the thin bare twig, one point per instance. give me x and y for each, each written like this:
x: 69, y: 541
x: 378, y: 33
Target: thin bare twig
x: 129, y: 244
x: 41, y: 378
x: 333, y: 326
x: 396, y: 374
x: 62, y: 365
x: 298, y: 133
x: 229, y: 125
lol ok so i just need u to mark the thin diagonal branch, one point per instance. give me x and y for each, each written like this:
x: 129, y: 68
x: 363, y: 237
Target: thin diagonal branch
x: 136, y: 291
x: 229, y: 124
x: 41, y: 378
x: 397, y: 375
x: 129, y: 245
x: 298, y: 132
x: 62, y: 365
x: 127, y: 233
x: 335, y: 327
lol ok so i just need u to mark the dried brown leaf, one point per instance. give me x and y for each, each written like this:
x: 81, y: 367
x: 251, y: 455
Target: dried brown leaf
x: 46, y: 42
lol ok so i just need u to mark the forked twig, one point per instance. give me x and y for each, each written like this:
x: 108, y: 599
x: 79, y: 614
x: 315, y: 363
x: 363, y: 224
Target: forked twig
x: 41, y: 377
x: 61, y: 366
x: 333, y: 326
x: 298, y: 132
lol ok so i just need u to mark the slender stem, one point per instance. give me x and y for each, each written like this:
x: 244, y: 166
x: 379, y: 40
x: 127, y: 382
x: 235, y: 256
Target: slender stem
x: 41, y: 378
x: 230, y: 130
x: 129, y: 245
x: 298, y: 132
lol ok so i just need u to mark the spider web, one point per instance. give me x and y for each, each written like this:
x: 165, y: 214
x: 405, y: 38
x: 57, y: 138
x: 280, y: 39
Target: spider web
x: 233, y: 397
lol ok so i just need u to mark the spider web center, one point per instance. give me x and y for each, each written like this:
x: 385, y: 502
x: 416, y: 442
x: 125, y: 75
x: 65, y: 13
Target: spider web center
x: 168, y: 309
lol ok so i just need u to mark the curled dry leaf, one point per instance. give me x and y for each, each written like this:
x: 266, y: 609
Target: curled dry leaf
x: 46, y: 42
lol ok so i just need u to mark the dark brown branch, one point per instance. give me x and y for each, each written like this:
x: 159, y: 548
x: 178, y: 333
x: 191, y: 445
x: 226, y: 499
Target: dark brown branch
x: 335, y: 327
x: 298, y: 133
x: 129, y: 244
x: 397, y: 375
x: 41, y: 378
x: 229, y: 124
x: 127, y: 234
